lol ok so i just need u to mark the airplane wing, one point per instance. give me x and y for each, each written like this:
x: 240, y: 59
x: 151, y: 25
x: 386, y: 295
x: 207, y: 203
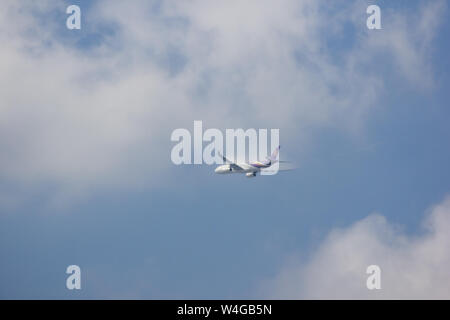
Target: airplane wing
x: 231, y: 163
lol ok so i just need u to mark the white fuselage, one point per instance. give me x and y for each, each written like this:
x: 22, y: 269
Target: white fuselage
x: 250, y: 169
x: 227, y: 168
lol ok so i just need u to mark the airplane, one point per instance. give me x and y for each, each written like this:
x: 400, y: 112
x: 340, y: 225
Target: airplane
x: 250, y: 169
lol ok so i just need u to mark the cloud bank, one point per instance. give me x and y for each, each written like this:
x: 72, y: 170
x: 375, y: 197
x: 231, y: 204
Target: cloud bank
x: 86, y: 112
x: 412, y: 267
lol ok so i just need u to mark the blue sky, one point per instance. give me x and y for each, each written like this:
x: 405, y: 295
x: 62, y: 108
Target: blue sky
x: 86, y: 177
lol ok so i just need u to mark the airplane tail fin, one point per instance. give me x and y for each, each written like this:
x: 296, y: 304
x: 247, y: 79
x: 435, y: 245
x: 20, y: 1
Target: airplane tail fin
x: 274, y: 155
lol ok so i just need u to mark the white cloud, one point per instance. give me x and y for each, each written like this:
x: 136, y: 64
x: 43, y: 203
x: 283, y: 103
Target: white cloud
x: 91, y: 119
x: 412, y: 267
x: 409, y: 40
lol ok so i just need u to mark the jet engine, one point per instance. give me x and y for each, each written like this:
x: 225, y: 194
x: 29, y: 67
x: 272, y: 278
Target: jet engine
x: 251, y: 174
